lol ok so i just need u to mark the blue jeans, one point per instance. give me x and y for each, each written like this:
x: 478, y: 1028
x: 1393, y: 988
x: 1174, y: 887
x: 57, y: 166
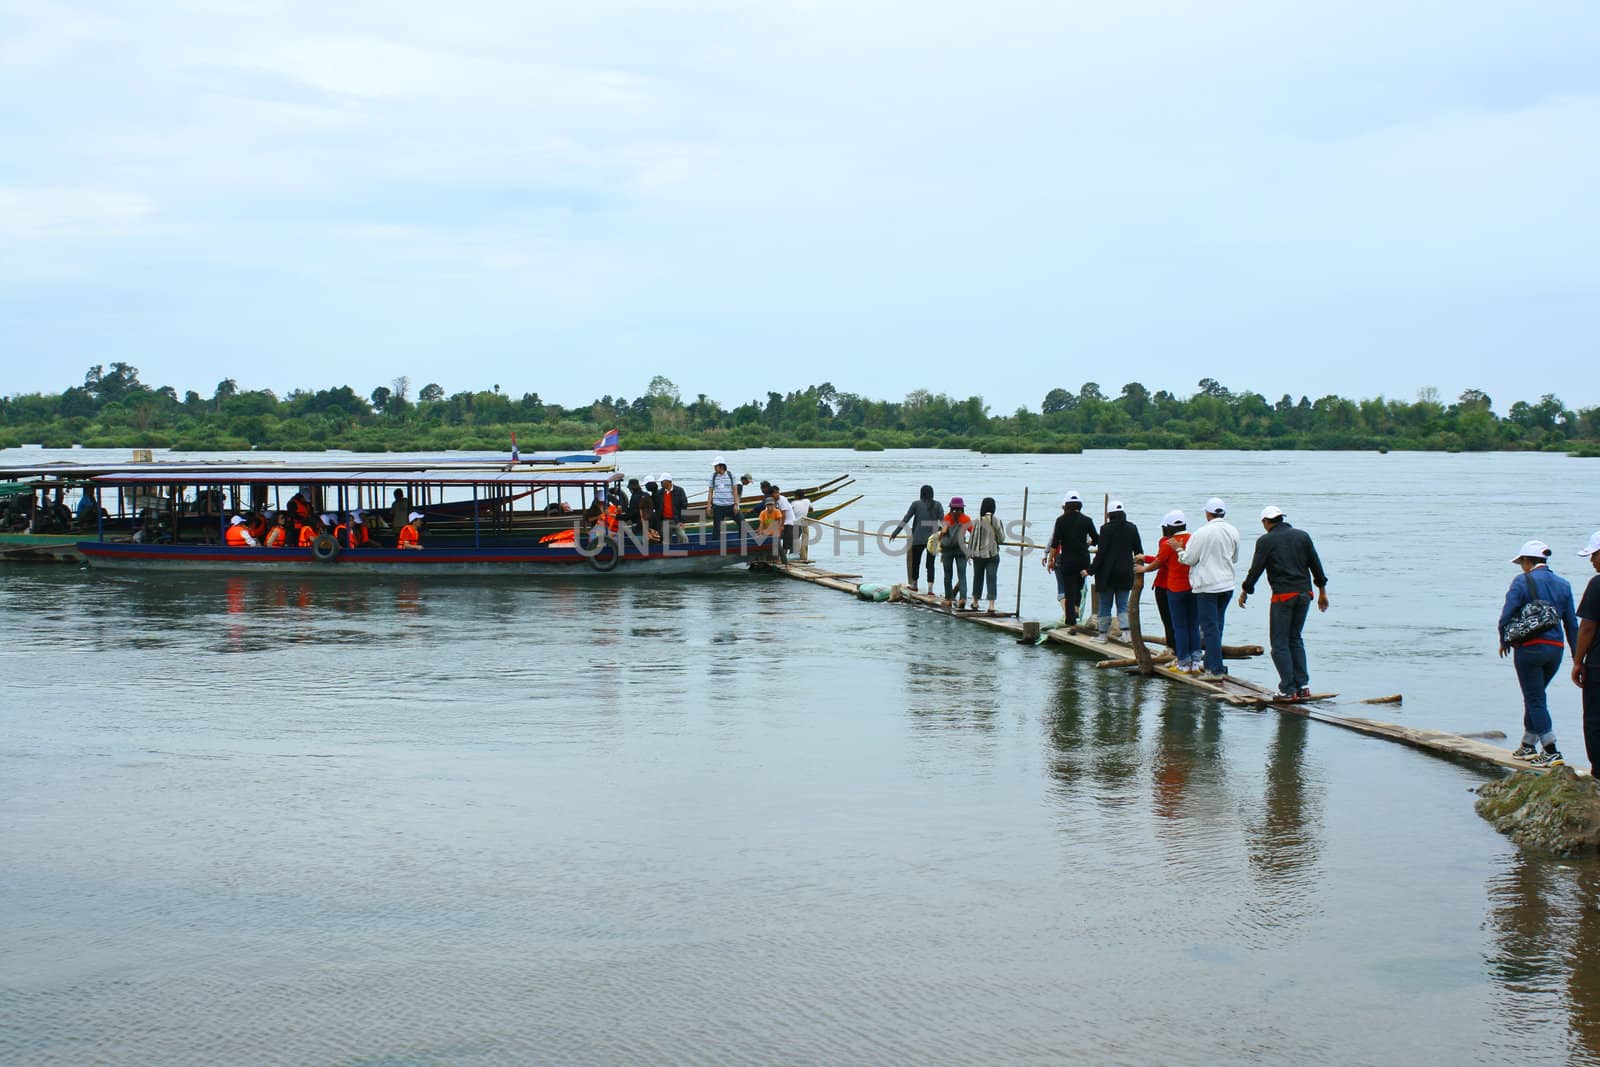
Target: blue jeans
x: 1105, y: 597
x: 985, y: 569
x: 1185, y: 628
x: 1536, y: 665
x: 957, y: 582
x: 1285, y: 621
x: 1211, y: 610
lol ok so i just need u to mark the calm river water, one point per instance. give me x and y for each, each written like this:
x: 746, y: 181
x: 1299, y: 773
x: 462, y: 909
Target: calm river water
x: 746, y: 820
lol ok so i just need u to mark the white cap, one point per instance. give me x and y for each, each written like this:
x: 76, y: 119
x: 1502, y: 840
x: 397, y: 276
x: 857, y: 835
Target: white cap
x: 1116, y: 505
x: 1071, y: 498
x: 719, y: 462
x: 1215, y: 506
x: 415, y: 515
x: 237, y: 520
x: 1174, y: 518
x: 1593, y: 546
x: 1272, y: 511
x: 355, y: 517
x: 1532, y: 550
x: 327, y: 520
x: 665, y: 478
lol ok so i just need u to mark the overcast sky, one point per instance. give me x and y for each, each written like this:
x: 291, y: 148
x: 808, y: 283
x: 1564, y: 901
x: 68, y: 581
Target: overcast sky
x: 997, y: 198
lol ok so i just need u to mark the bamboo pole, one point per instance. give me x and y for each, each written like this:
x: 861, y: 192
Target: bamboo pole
x: 1022, y: 556
x: 1135, y: 637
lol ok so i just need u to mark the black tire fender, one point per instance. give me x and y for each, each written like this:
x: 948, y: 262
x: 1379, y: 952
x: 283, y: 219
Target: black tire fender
x: 325, y: 549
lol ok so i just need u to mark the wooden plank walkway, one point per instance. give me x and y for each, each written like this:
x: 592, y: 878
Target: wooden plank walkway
x: 1237, y: 691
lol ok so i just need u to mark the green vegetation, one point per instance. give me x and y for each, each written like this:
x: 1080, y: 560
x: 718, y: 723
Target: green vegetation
x: 113, y: 409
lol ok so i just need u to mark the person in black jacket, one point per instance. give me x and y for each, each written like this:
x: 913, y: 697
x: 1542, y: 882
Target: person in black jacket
x: 925, y: 516
x: 631, y: 514
x: 671, y: 506
x: 1290, y: 561
x: 1113, y: 568
x: 1069, y: 554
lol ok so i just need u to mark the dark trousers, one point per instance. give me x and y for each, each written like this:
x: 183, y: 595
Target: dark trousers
x: 1211, y: 609
x: 1285, y: 621
x: 915, y: 555
x: 1591, y: 715
x: 1536, y: 665
x: 985, y: 572
x: 1069, y: 587
x: 721, y: 513
x: 1164, y: 606
x: 955, y: 575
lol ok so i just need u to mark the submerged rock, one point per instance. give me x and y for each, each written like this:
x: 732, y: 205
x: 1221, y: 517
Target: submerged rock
x: 1553, y: 811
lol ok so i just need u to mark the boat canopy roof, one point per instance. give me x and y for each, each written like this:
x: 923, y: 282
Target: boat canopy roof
x: 274, y: 476
x: 17, y: 488
x: 337, y: 464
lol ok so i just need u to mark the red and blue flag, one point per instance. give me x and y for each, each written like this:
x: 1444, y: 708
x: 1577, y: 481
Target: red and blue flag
x: 609, y: 443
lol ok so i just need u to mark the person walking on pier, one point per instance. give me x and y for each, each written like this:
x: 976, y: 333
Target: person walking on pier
x: 1586, y: 656
x: 925, y: 516
x: 1210, y: 555
x: 984, y: 548
x: 1292, y: 567
x: 1174, y: 599
x: 1113, y: 568
x: 1538, y: 605
x: 1068, y: 555
x: 955, y: 536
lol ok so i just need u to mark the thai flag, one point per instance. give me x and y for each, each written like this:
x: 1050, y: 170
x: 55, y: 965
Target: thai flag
x: 609, y: 443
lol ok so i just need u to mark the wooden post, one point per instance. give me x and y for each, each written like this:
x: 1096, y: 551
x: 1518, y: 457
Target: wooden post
x: 1022, y: 556
x: 1135, y: 635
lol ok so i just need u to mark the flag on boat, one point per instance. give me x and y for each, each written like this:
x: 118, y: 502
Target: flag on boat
x: 609, y: 443
x: 516, y: 453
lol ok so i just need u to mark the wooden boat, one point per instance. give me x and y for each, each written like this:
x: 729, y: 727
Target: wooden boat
x: 163, y: 543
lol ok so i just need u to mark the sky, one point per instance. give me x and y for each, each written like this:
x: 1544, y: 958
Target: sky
x: 1363, y: 198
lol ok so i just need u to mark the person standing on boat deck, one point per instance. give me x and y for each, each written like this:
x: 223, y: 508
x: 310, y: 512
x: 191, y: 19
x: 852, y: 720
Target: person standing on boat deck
x: 1211, y: 555
x: 1290, y: 561
x: 399, y: 510
x: 1537, y: 657
x: 722, y: 498
x: 983, y: 546
x: 1174, y: 599
x: 925, y: 516
x: 800, y: 504
x: 278, y: 536
x: 633, y: 513
x: 88, y: 510
x: 671, y: 505
x: 1586, y: 657
x: 955, y: 537
x: 1068, y: 555
x: 1113, y: 568
x: 411, y: 533
x: 238, y: 534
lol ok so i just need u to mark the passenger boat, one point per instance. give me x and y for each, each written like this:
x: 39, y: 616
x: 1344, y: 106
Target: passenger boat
x: 482, y: 538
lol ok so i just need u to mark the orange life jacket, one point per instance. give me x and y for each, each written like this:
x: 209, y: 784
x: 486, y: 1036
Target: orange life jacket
x: 609, y: 517
x: 237, y: 536
x: 276, y: 537
x: 408, y: 537
x: 308, y: 536
x: 359, y: 537
x: 341, y: 534
x: 298, y: 507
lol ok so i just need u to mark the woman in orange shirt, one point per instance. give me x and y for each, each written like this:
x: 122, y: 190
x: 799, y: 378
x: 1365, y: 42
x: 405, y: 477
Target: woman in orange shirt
x: 1174, y: 598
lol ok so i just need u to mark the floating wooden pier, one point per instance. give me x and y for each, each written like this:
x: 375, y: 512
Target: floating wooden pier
x: 1233, y: 690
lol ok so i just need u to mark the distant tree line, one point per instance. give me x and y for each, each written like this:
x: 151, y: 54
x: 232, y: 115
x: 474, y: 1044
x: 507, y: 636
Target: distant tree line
x: 113, y: 408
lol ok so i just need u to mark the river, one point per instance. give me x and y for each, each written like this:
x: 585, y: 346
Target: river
x: 741, y: 819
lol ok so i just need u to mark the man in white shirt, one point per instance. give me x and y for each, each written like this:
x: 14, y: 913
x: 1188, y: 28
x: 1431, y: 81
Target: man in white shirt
x: 722, y: 498
x: 786, y: 542
x: 1210, y: 555
x: 802, y: 510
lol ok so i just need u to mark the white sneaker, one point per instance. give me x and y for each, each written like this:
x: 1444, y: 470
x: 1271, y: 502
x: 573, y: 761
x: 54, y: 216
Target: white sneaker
x: 1101, y: 639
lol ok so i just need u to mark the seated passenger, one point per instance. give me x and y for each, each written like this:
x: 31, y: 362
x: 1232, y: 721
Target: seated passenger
x: 278, y: 536
x: 360, y: 536
x: 238, y: 535
x: 411, y: 532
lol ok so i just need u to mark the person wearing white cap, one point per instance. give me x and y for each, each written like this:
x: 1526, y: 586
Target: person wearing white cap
x: 671, y: 506
x: 238, y: 534
x: 1210, y: 555
x: 360, y: 536
x: 1292, y: 567
x: 1538, y: 605
x: 1068, y: 555
x: 1174, y: 599
x: 1586, y: 657
x: 411, y: 533
x: 1113, y: 568
x: 722, y: 498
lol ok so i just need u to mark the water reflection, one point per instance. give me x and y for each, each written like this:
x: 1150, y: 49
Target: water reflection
x: 1284, y: 842
x: 1546, y: 920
